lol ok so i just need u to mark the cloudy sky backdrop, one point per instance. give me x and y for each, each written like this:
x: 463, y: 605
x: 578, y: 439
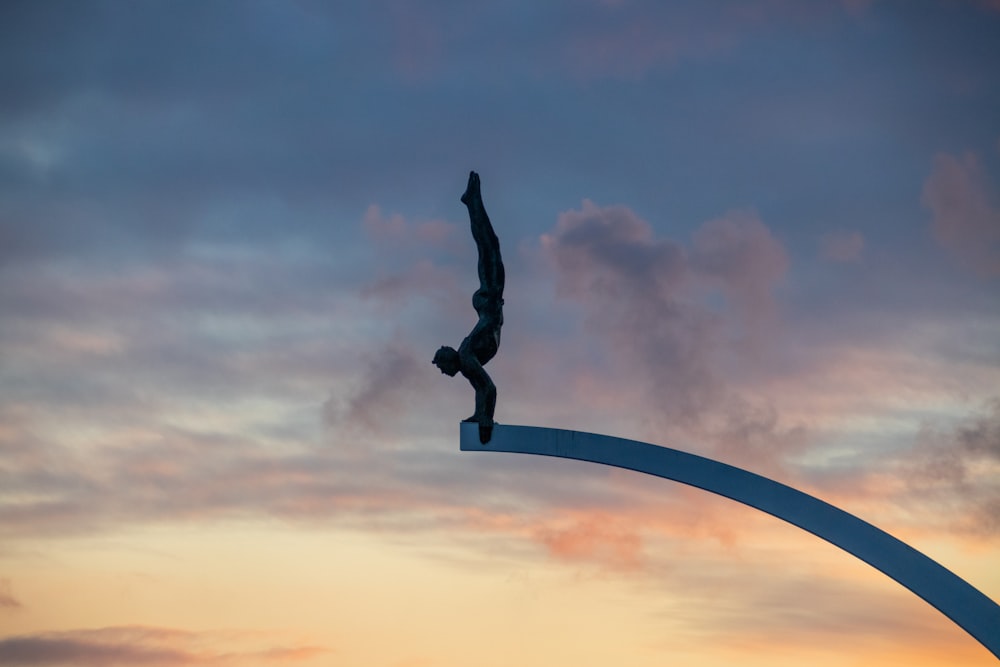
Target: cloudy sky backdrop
x: 765, y: 231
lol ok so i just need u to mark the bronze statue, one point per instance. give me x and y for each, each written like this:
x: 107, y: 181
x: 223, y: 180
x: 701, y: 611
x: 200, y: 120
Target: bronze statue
x: 481, y: 344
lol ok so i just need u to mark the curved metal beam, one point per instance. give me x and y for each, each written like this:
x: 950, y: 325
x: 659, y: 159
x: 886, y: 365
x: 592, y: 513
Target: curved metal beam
x: 973, y: 611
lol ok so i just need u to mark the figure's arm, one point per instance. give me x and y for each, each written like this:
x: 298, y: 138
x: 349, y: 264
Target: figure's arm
x: 486, y: 391
x: 491, y: 273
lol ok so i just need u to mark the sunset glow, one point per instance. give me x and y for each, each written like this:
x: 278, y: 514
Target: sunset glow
x: 766, y: 232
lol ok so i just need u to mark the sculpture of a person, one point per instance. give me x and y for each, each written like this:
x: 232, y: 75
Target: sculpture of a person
x: 481, y: 344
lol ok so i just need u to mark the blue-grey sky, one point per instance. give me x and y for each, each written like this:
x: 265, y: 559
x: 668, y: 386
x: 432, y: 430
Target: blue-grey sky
x: 766, y: 231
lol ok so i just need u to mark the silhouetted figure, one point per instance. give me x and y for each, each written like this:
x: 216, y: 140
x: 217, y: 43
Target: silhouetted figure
x: 481, y: 344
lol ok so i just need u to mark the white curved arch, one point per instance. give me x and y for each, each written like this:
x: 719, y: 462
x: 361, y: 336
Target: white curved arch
x: 973, y: 611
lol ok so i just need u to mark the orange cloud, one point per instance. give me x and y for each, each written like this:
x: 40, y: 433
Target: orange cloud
x: 7, y: 599
x: 600, y: 536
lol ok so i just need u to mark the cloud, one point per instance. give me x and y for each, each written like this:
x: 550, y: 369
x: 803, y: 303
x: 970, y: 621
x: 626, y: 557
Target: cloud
x: 391, y: 375
x: 63, y: 650
x: 139, y: 645
x: 209, y: 375
x: 413, y: 266
x: 939, y: 478
x: 603, y: 537
x: 739, y: 255
x: 958, y: 469
x: 203, y: 379
x: 631, y: 285
x: 424, y: 280
x: 397, y: 230
x: 822, y: 608
x: 610, y: 253
x: 7, y: 599
x: 670, y: 317
x: 965, y: 220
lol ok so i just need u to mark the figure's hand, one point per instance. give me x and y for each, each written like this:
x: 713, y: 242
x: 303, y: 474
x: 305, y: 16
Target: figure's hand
x: 485, y: 429
x: 472, y: 189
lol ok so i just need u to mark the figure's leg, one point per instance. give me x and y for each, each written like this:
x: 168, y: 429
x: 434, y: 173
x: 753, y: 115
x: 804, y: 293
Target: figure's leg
x: 482, y: 228
x: 472, y: 192
x: 491, y: 275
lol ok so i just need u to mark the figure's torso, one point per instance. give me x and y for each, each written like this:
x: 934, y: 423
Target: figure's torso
x: 484, y: 340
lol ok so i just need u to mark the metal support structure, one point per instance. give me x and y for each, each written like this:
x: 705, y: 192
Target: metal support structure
x: 973, y: 611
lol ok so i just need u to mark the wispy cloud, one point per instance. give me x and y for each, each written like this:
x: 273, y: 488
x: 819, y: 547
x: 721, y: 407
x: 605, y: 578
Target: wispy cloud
x: 390, y: 377
x: 7, y: 599
x: 139, y: 645
x: 957, y: 470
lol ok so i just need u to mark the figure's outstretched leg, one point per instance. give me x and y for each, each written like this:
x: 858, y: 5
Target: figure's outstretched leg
x: 482, y: 228
x: 491, y: 273
x: 472, y: 193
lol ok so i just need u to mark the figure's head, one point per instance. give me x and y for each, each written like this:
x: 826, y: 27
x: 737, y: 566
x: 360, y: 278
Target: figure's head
x: 446, y: 358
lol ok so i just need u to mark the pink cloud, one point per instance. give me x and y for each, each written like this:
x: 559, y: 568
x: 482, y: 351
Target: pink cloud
x: 965, y: 219
x: 395, y: 228
x: 610, y: 252
x: 384, y: 227
x: 696, y: 549
x: 656, y: 304
x: 738, y: 254
x: 842, y: 246
x: 632, y: 287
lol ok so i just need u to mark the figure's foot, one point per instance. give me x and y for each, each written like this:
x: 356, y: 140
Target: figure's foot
x: 472, y: 189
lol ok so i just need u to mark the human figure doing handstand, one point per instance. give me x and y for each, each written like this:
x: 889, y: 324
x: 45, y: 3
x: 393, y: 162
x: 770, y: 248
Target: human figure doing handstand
x: 481, y: 344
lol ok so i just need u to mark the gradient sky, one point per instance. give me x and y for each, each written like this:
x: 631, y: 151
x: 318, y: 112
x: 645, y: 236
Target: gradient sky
x: 765, y: 231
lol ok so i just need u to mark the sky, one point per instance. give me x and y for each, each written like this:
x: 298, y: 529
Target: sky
x: 763, y: 231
